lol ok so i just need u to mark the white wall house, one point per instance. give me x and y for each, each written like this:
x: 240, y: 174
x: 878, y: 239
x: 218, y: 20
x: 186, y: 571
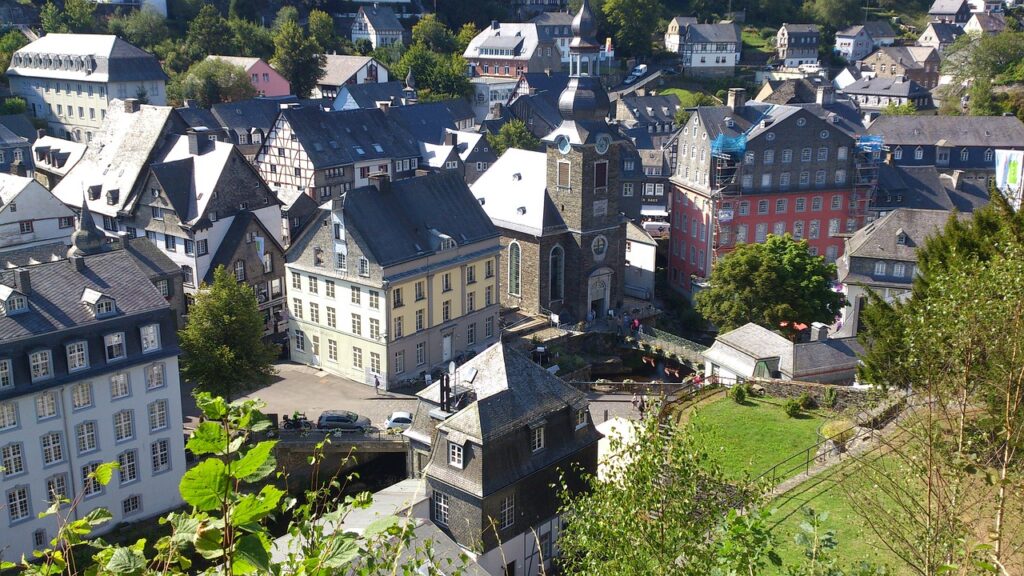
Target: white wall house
x: 30, y: 215
x: 640, y: 257
x: 69, y: 80
x: 377, y: 24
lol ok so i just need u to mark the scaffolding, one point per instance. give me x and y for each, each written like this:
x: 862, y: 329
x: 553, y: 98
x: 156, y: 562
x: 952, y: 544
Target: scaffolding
x: 726, y: 156
x: 868, y: 155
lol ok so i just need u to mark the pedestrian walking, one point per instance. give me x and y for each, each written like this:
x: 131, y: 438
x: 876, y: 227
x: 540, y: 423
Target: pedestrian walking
x: 376, y: 384
x: 642, y: 406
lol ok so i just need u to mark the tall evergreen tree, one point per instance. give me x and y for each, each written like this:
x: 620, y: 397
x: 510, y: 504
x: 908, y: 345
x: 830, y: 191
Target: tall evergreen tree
x: 298, y: 58
x: 209, y: 33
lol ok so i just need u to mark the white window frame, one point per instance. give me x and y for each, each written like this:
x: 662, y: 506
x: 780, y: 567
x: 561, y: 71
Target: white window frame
x: 537, y: 439
x: 115, y: 343
x: 150, y: 337
x: 456, y: 455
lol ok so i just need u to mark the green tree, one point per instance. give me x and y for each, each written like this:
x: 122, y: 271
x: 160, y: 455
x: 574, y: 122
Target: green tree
x: 251, y: 39
x: 76, y: 17
x: 243, y: 10
x: 433, y: 34
x: 438, y: 76
x: 834, y: 13
x: 222, y: 345
x: 634, y: 23
x: 893, y: 109
x: 13, y: 105
x: 664, y: 508
x: 213, y: 81
x: 209, y: 33
x: 9, y: 44
x: 513, y: 135
x: 363, y: 46
x: 465, y: 36
x: 286, y: 14
x: 297, y: 58
x: 770, y: 283
x: 321, y: 30
x: 144, y: 28
x: 692, y: 100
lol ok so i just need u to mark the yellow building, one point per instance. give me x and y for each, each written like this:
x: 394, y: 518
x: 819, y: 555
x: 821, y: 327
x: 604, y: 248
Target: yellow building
x: 394, y: 280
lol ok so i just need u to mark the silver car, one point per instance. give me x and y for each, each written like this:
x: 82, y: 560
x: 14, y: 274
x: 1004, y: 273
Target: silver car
x: 398, y: 421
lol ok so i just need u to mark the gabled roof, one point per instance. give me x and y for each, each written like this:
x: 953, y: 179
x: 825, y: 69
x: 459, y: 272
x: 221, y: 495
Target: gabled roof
x: 435, y: 155
x: 64, y: 154
x: 367, y: 95
x: 511, y: 393
x: 91, y: 57
x: 244, y: 115
x: 513, y: 193
x: 245, y: 62
x: 189, y: 180
x: 11, y: 186
x: 879, y: 239
x: 335, y: 138
x: 790, y: 91
x: 520, y: 37
x: 652, y: 109
x: 683, y: 21
x: 381, y: 18
x: 467, y: 141
x: 729, y: 32
x: 923, y: 187
x: 878, y: 29
x: 9, y: 138
x: 910, y: 57
x: 986, y: 131
x: 636, y: 233
x: 427, y: 121
x: 55, y: 299
x: 538, y: 111
x: 851, y: 31
x: 553, y: 19
x: 989, y: 22
x: 750, y: 119
x: 944, y: 32
x: 201, y: 118
x: 409, y: 209
x: 794, y: 29
x: 555, y: 82
x: 234, y: 238
x: 20, y: 125
x: 116, y: 157
x: 947, y: 6
x: 338, y: 69
x: 887, y: 86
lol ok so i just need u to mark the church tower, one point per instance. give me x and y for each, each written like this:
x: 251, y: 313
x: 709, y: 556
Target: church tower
x: 584, y: 162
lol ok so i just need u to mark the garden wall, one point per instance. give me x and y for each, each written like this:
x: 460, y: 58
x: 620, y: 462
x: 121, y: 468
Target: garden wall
x: 847, y: 397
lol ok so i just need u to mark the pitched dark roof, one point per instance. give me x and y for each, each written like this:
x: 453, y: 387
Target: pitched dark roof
x: 791, y: 91
x: 149, y: 258
x: 987, y: 131
x: 879, y: 238
x: 879, y: 29
x: 381, y: 17
x: 408, y: 209
x: 924, y: 188
x: 233, y: 239
x: 20, y: 125
x: 9, y: 138
x: 946, y: 6
x: 196, y: 117
x: 428, y: 121
x: 792, y: 29
x: 946, y: 32
x: 55, y: 297
x: 544, y: 82
x: 652, y: 109
x: 887, y: 86
x: 367, y: 95
x: 713, y: 33
x: 335, y: 138
x: 244, y: 115
x: 538, y: 111
x: 106, y: 58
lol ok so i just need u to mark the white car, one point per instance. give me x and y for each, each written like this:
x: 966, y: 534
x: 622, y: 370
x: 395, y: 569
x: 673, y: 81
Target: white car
x: 398, y: 421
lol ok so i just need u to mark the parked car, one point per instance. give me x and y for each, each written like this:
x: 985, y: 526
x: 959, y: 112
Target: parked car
x: 640, y: 70
x: 342, y: 420
x: 398, y: 421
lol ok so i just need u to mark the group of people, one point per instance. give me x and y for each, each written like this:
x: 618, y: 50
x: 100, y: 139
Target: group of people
x: 640, y: 403
x: 631, y: 325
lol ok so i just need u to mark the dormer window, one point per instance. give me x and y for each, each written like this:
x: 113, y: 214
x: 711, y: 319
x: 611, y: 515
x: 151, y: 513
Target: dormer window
x: 14, y: 304
x: 581, y: 418
x: 901, y: 238
x: 114, y: 346
x: 104, y: 307
x: 41, y: 365
x: 537, y: 438
x: 101, y: 305
x: 455, y: 454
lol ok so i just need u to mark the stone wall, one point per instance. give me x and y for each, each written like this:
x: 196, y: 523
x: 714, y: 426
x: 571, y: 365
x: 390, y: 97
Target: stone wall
x: 847, y: 397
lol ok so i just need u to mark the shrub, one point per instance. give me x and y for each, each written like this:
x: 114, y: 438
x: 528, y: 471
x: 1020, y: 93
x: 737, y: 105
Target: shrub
x: 739, y: 393
x: 839, y: 431
x: 806, y: 401
x: 791, y: 408
x: 768, y: 33
x: 830, y: 397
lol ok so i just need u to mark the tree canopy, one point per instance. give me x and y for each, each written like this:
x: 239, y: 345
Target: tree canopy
x: 513, y: 135
x: 222, y: 344
x: 634, y: 22
x: 321, y: 30
x: 770, y: 283
x: 433, y: 34
x: 439, y: 75
x: 10, y: 42
x: 298, y: 58
x: 77, y: 17
x: 893, y: 109
x: 212, y: 81
x: 209, y: 33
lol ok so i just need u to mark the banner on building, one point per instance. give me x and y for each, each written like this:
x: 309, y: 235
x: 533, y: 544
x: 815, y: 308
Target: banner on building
x: 1010, y: 175
x: 725, y: 215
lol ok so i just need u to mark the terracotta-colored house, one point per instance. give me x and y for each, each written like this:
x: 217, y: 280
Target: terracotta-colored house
x: 266, y: 80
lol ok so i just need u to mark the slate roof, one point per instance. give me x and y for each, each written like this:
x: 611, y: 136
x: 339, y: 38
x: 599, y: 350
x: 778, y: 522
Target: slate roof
x: 796, y: 29
x: 20, y: 124
x: 636, y: 233
x: 513, y: 193
x: 923, y: 187
x: 910, y: 57
x: 879, y: 29
x: 245, y: 62
x: 409, y: 209
x: 986, y: 131
x: 55, y: 298
x: 748, y: 118
x: 753, y: 342
x: 946, y: 6
x: 697, y: 33
x: 887, y: 86
x: 851, y: 31
x: 338, y: 69
x: 381, y: 18
x: 242, y: 116
x: 553, y: 19
x: 427, y: 121
x: 553, y: 83
x: 652, y: 109
x: 520, y: 36
x: 51, y: 252
x: 150, y: 258
x: 683, y: 21
x: 988, y: 22
x: 333, y: 138
x: 538, y: 111
x: 190, y: 180
x: 367, y: 95
x: 9, y: 138
x: 511, y: 392
x: 825, y: 356
x: 103, y: 58
x: 196, y: 117
x: 235, y: 237
x: 59, y: 150
x: 945, y: 32
x: 878, y: 239
x: 791, y: 91
x: 116, y: 157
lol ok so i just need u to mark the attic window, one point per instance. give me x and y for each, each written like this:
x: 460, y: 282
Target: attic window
x: 447, y: 243
x: 360, y: 151
x: 378, y: 148
x: 94, y: 192
x: 112, y: 196
x: 901, y: 238
x: 15, y: 304
x: 101, y: 305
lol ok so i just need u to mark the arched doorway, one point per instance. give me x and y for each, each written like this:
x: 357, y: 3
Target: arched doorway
x: 599, y: 291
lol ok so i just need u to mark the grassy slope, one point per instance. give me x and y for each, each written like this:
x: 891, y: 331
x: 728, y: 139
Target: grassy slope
x: 752, y: 437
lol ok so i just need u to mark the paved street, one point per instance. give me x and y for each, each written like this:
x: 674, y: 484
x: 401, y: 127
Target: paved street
x: 311, y: 391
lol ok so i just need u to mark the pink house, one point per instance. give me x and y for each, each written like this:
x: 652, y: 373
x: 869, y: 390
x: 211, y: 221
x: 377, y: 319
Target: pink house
x: 266, y: 80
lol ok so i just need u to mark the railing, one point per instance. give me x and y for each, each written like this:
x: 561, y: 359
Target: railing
x: 371, y: 435
x: 801, y: 461
x: 667, y: 337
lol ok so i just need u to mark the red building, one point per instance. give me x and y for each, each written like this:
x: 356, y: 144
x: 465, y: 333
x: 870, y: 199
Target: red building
x: 747, y: 170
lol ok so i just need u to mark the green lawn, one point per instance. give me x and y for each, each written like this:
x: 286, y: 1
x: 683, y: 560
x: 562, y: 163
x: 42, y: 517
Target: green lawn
x: 754, y: 436
x: 823, y: 493
x: 683, y: 94
x: 752, y: 39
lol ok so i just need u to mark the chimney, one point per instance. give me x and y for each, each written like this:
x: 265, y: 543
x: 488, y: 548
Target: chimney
x: 79, y: 263
x: 737, y: 99
x: 381, y: 181
x: 446, y: 392
x: 131, y: 105
x: 825, y: 95
x: 384, y: 105
x: 819, y: 332
x: 22, y: 282
x: 191, y: 103
x: 198, y: 142
x: 451, y: 139
x: 17, y: 168
x: 40, y: 133
x: 957, y: 175
x: 495, y: 25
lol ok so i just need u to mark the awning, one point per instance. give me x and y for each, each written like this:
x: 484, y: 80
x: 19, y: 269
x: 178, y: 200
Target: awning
x: 653, y: 211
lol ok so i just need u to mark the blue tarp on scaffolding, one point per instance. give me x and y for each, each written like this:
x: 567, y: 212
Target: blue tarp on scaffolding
x: 870, y: 143
x: 733, y: 145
